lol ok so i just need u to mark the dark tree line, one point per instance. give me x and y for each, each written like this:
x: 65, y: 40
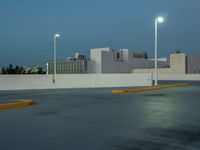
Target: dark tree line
x: 21, y: 70
x: 13, y: 70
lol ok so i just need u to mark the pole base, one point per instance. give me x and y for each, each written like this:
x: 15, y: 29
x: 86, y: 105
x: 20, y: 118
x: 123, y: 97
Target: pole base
x: 54, y: 81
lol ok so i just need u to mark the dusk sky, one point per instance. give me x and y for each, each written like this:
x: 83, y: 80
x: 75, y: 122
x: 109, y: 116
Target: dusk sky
x: 27, y: 27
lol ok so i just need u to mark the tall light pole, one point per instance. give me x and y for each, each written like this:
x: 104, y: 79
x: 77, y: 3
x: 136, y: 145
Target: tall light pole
x: 54, y: 72
x: 157, y: 20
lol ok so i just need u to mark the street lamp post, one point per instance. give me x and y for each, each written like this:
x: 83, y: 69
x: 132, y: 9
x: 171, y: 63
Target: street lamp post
x: 54, y: 72
x: 157, y: 20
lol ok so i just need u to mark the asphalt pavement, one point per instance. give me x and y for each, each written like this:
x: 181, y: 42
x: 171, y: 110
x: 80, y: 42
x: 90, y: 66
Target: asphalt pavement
x: 97, y: 119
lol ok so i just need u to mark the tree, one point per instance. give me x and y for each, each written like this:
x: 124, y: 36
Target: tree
x: 21, y: 70
x: 3, y: 70
x: 10, y: 69
x: 17, y: 71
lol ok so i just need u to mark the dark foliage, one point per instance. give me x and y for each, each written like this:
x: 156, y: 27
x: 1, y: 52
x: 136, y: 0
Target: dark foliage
x: 21, y: 70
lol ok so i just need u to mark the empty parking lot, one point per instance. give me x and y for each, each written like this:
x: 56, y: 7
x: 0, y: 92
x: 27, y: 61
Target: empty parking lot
x: 96, y: 119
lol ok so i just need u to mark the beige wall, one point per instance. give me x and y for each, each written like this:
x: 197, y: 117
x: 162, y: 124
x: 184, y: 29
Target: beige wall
x: 178, y: 63
x: 160, y: 71
x: 27, y: 82
x: 179, y: 77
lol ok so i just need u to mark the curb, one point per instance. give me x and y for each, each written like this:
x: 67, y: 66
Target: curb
x: 17, y: 104
x: 154, y: 88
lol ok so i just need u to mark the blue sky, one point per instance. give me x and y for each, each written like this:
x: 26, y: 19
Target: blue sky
x: 27, y: 27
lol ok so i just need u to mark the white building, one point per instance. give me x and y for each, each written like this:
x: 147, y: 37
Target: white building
x: 109, y: 60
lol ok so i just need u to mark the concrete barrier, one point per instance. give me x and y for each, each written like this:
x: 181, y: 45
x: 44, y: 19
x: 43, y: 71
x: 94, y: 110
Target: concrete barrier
x: 26, y: 82
x: 179, y: 77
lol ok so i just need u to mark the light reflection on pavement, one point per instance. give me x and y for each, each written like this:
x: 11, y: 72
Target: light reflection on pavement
x: 96, y: 119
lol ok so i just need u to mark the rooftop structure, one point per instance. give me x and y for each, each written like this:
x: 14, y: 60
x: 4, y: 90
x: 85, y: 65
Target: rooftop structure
x: 180, y: 63
x: 73, y: 65
x: 109, y: 60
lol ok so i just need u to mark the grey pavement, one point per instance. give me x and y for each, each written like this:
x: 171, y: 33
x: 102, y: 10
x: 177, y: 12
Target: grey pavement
x: 96, y: 119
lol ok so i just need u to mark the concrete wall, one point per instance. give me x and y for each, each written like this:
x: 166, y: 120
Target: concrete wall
x: 20, y: 82
x: 95, y: 61
x: 160, y: 71
x: 177, y: 66
x: 178, y: 63
x: 179, y: 77
x: 193, y: 64
x: 105, y: 60
x: 137, y: 63
x: 109, y: 65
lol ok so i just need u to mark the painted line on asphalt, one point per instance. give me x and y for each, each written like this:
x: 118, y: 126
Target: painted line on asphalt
x: 17, y: 104
x: 154, y: 88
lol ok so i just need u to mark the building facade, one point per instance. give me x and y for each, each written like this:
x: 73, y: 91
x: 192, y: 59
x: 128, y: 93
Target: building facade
x: 180, y: 63
x: 109, y: 60
x: 73, y: 65
x: 68, y: 67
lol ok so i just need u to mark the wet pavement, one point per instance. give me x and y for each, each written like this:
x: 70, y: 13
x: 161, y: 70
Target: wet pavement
x: 96, y: 119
